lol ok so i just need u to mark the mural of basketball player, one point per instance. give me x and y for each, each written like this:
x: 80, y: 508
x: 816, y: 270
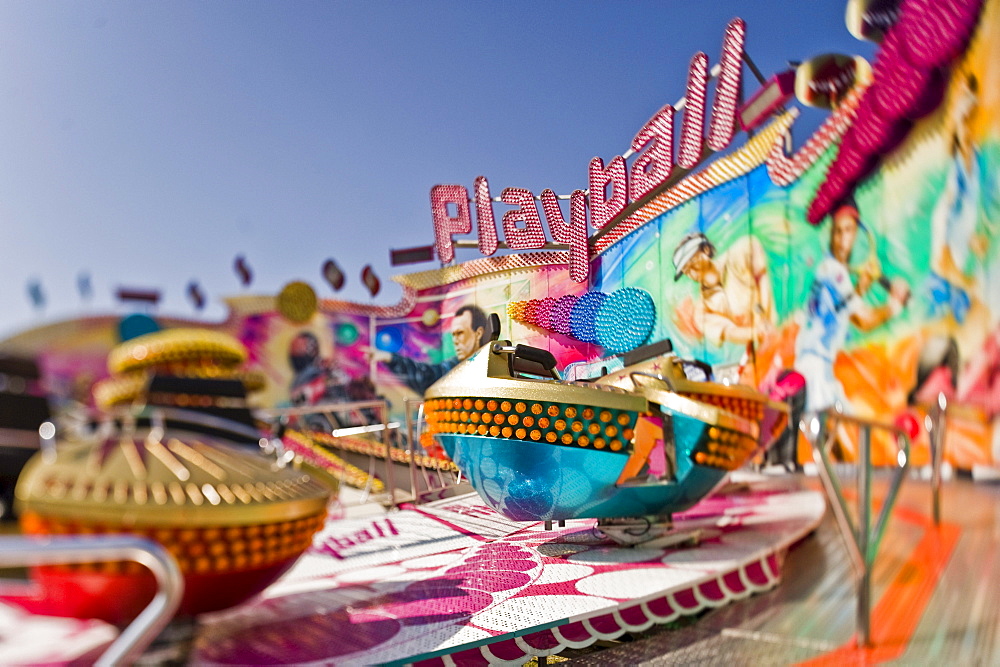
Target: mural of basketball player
x: 470, y: 330
x: 955, y: 221
x: 315, y: 380
x: 736, y: 303
x: 835, y: 303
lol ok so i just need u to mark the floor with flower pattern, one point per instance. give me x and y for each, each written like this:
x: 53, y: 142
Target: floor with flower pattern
x: 454, y: 580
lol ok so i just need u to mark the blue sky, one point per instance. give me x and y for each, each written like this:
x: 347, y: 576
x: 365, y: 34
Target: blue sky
x: 149, y: 143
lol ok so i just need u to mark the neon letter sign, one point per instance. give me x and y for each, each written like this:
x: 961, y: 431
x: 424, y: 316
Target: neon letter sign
x: 574, y: 233
x: 654, y: 147
x: 446, y: 224
x: 531, y: 235
x: 485, y: 223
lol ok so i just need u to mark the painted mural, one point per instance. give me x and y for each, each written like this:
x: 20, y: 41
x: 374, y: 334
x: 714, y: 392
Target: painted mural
x: 881, y: 306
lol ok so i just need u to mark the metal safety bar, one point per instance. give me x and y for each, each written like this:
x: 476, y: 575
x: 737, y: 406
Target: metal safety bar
x: 936, y: 422
x: 329, y: 410
x: 269, y: 414
x: 434, y: 479
x: 140, y: 633
x: 861, y: 540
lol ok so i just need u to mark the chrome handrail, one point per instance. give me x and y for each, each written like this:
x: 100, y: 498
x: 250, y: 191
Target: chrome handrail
x: 140, y: 633
x: 861, y: 541
x: 270, y: 414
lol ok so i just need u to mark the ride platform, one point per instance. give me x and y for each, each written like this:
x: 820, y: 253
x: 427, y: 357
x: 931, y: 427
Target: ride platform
x: 452, y: 581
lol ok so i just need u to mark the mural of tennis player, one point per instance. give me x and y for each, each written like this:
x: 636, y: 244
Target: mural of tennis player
x: 955, y: 221
x: 736, y: 303
x: 470, y: 330
x: 835, y: 303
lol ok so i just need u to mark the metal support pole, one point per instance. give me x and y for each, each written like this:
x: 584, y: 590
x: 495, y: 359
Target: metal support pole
x: 390, y: 480
x: 417, y: 433
x: 411, y: 447
x: 935, y: 426
x: 754, y: 69
x: 863, y: 534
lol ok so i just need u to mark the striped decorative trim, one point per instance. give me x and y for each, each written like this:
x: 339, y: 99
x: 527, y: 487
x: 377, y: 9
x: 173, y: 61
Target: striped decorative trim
x: 481, y: 267
x: 399, y: 309
x: 360, y: 445
x: 739, y: 162
x: 303, y: 445
x: 785, y: 170
x: 757, y: 576
x: 254, y: 305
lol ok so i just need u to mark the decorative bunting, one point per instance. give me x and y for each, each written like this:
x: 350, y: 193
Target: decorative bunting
x: 36, y: 294
x: 371, y: 280
x: 150, y: 296
x: 243, y: 270
x: 333, y: 275
x: 195, y: 294
x: 84, y: 286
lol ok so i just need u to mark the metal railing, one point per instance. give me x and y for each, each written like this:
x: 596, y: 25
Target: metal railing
x: 140, y: 633
x: 861, y: 540
x: 414, y: 429
x: 334, y: 414
x: 424, y: 481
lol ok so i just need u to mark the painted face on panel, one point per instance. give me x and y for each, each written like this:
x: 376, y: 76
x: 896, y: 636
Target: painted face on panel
x: 702, y: 270
x: 464, y: 337
x: 843, y: 233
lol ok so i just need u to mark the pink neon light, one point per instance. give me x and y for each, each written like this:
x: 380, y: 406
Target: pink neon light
x: 543, y: 314
x: 652, y: 166
x: 574, y: 233
x: 693, y: 127
x: 656, y: 164
x: 603, y: 209
x: 908, y: 83
x: 933, y: 33
x: 784, y: 169
x: 486, y: 224
x: 531, y: 235
x: 446, y: 225
x: 727, y: 88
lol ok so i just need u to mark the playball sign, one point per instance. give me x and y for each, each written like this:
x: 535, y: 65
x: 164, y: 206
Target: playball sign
x: 612, y: 186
